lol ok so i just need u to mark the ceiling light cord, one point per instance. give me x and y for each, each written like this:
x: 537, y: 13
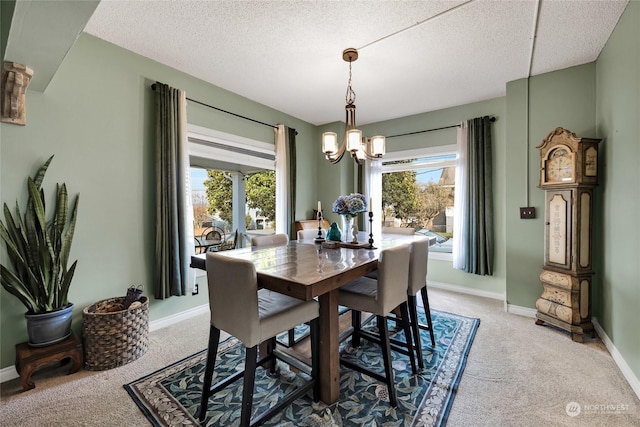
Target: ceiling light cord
x: 417, y: 24
x: 534, y: 35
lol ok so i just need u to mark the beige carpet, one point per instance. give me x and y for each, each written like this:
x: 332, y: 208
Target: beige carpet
x: 517, y: 374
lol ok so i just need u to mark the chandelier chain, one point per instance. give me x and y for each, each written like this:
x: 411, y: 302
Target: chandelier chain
x: 350, y: 96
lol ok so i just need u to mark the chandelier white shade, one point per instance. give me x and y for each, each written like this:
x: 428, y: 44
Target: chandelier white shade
x: 360, y: 147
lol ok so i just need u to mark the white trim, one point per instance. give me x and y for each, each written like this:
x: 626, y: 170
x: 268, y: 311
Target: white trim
x: 628, y: 374
x: 10, y: 372
x: 520, y: 310
x: 466, y: 290
x: 178, y: 317
x: 420, y: 152
x: 230, y: 139
x: 210, y: 144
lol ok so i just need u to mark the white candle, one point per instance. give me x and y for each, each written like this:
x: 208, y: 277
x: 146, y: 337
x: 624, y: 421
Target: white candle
x: 370, y: 204
x: 319, y: 206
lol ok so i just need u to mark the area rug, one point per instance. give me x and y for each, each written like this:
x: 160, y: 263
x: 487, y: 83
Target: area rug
x: 171, y: 396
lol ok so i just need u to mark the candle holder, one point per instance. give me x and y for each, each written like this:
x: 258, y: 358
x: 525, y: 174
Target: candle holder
x: 319, y: 239
x: 371, y: 231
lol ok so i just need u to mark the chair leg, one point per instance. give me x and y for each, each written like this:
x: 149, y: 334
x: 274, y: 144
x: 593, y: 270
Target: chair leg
x: 413, y: 315
x: 407, y: 334
x: 386, y: 356
x: 315, y: 360
x: 356, y: 319
x: 214, y: 338
x: 427, y: 312
x: 273, y: 361
x: 249, y: 380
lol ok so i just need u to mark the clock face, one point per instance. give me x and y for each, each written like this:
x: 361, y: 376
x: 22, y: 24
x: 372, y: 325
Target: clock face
x: 559, y: 166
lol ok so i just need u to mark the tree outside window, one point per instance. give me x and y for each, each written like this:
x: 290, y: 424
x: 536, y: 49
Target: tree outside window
x: 260, y: 193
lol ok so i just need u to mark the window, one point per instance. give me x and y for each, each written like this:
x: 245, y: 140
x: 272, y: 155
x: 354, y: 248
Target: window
x: 418, y: 191
x: 241, y: 172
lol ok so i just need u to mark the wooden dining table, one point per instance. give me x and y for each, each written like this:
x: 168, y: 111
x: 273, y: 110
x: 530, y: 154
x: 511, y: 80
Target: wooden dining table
x: 306, y: 270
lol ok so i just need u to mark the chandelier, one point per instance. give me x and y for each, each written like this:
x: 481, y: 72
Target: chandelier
x: 360, y: 147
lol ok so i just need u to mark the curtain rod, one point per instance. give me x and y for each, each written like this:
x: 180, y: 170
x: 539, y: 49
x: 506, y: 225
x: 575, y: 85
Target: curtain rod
x: 153, y: 87
x: 492, y: 119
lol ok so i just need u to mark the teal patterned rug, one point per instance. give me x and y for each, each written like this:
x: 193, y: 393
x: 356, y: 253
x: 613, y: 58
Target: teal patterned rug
x: 171, y: 396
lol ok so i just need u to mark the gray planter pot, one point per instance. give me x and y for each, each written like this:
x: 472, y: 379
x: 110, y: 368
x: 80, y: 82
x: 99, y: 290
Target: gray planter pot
x: 50, y: 327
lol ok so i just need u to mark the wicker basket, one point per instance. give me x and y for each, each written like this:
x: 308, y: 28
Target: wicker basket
x: 114, y: 336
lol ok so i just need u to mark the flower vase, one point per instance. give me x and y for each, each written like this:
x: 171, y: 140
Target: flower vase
x: 347, y: 229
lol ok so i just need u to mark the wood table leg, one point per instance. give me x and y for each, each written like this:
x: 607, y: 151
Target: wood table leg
x: 329, y: 348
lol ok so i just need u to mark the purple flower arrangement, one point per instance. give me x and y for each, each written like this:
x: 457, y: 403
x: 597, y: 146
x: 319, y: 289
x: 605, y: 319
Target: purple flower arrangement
x: 350, y: 205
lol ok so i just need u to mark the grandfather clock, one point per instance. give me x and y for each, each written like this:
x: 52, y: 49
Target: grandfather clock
x: 568, y: 175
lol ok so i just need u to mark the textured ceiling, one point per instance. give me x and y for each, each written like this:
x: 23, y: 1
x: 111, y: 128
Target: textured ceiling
x: 415, y: 56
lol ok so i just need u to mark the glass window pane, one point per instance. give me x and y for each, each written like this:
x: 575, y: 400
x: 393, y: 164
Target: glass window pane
x: 419, y: 193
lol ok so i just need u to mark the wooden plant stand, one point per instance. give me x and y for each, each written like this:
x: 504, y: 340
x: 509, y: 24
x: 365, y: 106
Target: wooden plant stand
x: 28, y: 358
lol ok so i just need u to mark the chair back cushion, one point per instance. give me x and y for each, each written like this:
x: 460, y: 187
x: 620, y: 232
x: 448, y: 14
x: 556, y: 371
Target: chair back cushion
x: 270, y: 240
x: 233, y: 296
x: 393, y: 274
x: 310, y: 234
x: 418, y: 265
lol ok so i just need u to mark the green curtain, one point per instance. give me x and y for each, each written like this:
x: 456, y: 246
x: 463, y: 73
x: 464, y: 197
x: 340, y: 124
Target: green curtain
x: 291, y: 199
x: 479, y: 222
x: 172, y: 256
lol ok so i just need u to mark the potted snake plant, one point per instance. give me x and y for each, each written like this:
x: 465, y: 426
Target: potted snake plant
x: 38, y: 253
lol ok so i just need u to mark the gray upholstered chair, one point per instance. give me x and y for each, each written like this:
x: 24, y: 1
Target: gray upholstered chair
x: 270, y: 240
x: 252, y: 316
x: 406, y: 231
x: 418, y: 283
x: 276, y: 240
x: 310, y: 234
x: 380, y: 297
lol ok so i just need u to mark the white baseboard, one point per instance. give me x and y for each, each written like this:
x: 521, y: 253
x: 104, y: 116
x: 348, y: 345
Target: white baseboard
x: 178, y: 317
x: 520, y: 311
x: 10, y: 372
x: 628, y: 374
x: 465, y: 290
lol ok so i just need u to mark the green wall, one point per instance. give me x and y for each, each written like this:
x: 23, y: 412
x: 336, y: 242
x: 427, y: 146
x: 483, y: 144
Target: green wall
x: 535, y: 107
x: 96, y: 116
x: 617, y: 119
x: 601, y: 100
